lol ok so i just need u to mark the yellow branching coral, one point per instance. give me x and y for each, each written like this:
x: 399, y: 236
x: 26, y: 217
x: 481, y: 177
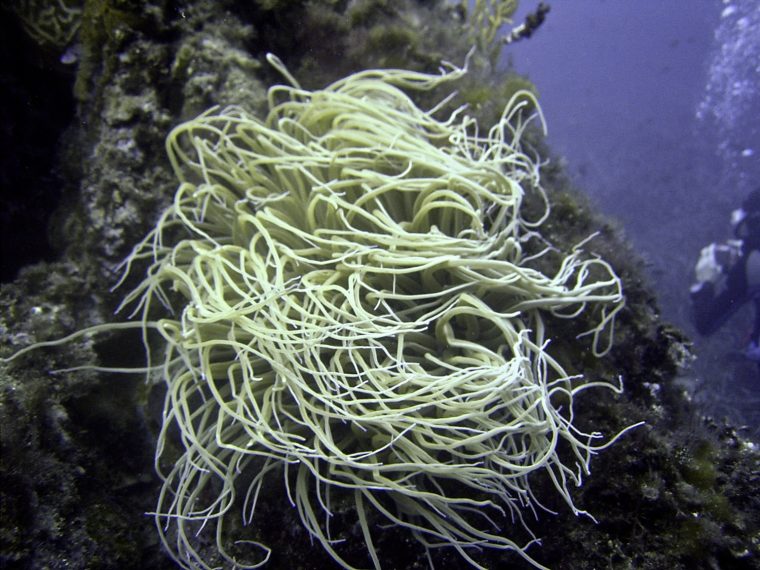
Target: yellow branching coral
x: 353, y: 307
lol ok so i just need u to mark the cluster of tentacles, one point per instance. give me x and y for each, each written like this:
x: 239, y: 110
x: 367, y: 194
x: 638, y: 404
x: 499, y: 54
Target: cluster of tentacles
x: 353, y: 308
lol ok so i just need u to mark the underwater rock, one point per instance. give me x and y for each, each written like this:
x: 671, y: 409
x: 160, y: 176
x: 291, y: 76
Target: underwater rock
x: 77, y: 477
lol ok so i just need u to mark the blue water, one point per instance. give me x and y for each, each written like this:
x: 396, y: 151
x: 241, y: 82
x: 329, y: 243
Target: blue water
x: 654, y: 106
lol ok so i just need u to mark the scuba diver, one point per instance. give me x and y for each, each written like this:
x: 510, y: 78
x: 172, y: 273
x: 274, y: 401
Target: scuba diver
x: 728, y: 276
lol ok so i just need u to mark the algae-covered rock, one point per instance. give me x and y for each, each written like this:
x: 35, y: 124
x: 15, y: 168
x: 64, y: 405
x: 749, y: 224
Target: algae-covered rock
x: 77, y: 441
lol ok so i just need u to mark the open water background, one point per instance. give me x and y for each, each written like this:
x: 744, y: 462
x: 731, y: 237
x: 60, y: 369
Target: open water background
x: 655, y: 106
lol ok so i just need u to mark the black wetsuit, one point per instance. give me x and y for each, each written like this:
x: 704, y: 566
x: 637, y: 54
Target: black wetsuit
x: 710, y: 308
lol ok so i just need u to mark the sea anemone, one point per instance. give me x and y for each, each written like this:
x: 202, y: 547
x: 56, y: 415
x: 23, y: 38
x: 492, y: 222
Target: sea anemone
x: 356, y: 303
